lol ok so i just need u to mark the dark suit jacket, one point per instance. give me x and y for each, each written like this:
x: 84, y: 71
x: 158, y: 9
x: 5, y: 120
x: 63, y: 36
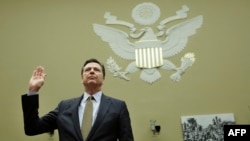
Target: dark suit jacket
x: 112, y: 122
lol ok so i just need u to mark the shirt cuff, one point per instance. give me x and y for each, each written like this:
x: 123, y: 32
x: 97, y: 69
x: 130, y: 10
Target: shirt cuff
x: 32, y: 93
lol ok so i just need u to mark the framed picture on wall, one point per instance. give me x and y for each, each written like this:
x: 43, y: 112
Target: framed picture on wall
x: 205, y: 127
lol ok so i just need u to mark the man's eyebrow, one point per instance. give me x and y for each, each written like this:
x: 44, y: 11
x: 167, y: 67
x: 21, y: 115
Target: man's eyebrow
x: 91, y: 67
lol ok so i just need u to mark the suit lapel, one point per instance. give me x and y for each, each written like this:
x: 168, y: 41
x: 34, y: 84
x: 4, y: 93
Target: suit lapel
x: 75, y: 116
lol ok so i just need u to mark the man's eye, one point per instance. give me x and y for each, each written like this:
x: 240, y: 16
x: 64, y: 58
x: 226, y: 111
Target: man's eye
x: 87, y: 70
x: 97, y: 69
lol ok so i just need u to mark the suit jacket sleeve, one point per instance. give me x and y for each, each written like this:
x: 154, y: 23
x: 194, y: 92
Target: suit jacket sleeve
x: 34, y: 125
x: 125, y: 125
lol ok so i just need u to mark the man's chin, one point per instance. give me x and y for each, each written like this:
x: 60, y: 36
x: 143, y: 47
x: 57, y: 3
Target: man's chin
x: 91, y: 82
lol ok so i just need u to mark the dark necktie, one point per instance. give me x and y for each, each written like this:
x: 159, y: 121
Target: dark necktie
x: 87, y: 118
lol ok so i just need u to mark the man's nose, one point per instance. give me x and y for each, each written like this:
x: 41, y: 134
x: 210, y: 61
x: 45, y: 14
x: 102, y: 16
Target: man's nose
x: 92, y: 70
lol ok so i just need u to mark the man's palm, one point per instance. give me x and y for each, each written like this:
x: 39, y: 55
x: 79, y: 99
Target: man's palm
x: 37, y: 79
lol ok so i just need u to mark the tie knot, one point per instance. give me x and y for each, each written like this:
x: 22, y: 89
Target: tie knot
x: 90, y: 98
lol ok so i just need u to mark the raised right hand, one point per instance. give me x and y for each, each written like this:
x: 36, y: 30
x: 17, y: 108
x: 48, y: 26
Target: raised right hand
x: 37, y: 79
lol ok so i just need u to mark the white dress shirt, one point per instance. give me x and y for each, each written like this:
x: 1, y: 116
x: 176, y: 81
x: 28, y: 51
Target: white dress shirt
x: 96, y: 103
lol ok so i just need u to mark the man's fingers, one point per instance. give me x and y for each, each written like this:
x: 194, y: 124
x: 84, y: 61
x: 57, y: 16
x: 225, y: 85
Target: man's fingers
x: 39, y: 71
x: 44, y: 75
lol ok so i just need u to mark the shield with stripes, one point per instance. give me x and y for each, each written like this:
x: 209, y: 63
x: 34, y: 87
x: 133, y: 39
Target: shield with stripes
x: 148, y: 57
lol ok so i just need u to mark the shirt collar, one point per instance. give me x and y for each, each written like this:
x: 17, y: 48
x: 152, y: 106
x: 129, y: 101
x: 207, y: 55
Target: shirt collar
x: 97, y: 96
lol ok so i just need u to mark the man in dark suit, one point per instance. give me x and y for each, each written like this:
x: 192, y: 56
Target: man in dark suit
x: 110, y: 116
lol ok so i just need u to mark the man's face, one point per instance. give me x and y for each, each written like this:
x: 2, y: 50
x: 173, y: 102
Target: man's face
x: 92, y: 74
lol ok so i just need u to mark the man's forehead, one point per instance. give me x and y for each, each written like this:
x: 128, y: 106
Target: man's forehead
x: 92, y: 65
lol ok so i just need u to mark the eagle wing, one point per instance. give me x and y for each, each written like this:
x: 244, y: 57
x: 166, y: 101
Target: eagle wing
x: 177, y: 36
x: 118, y: 41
